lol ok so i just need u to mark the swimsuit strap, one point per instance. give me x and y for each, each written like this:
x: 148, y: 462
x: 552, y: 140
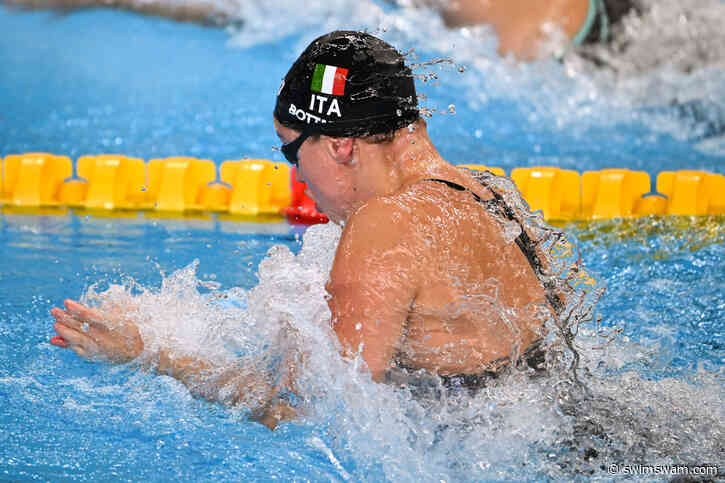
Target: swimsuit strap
x: 498, y: 206
x: 597, y: 9
x: 588, y: 23
x: 604, y: 21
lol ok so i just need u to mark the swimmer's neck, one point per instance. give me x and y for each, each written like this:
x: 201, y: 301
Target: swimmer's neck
x: 389, y: 168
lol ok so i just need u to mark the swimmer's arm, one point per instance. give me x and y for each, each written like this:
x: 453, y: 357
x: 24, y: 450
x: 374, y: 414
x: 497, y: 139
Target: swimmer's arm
x: 372, y: 286
x: 199, y: 11
x: 111, y: 337
x: 230, y: 385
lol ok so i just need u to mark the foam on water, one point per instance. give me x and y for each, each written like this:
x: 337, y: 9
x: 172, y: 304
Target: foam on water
x: 664, y: 69
x: 522, y: 428
x: 635, y: 404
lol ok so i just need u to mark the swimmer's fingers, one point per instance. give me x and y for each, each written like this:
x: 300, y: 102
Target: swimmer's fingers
x: 96, y: 341
x: 100, y: 345
x: 81, y: 343
x: 80, y: 311
x: 73, y: 322
x: 85, y: 314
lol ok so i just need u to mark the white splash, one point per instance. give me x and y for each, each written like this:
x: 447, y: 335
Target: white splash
x: 664, y: 69
x: 520, y: 428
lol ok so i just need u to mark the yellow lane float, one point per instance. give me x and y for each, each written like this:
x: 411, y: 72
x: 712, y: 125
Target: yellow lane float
x: 260, y: 188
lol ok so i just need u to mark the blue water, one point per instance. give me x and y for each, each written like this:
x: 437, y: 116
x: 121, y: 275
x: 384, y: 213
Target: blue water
x: 665, y: 284
x: 99, y: 81
x: 63, y: 418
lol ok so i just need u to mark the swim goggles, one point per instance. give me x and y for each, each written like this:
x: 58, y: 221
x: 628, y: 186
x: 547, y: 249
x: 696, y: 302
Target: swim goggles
x: 289, y: 150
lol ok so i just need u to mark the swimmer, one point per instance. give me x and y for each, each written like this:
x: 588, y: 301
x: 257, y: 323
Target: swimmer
x: 426, y: 277
x: 523, y: 26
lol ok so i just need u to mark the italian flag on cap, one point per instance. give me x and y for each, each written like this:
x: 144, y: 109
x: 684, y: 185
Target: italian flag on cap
x: 329, y: 79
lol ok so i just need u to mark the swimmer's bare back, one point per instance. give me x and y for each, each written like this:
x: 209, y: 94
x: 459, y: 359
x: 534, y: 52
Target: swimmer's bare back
x: 518, y: 23
x: 521, y: 25
x: 441, y: 288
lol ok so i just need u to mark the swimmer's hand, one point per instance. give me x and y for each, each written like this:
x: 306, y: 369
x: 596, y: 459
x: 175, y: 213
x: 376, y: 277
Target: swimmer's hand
x: 110, y: 336
x: 95, y: 335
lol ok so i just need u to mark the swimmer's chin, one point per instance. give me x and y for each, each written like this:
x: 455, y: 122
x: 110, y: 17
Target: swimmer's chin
x: 330, y: 214
x: 335, y: 218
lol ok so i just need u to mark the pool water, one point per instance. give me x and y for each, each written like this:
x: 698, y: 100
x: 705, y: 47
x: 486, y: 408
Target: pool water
x: 101, y: 81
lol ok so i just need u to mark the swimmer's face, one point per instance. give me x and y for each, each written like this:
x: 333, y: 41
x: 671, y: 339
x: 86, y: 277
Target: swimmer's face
x: 329, y: 184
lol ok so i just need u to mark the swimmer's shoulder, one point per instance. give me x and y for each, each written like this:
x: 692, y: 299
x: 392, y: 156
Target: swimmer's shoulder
x: 377, y: 241
x: 451, y: 182
x: 386, y: 226
x: 400, y: 214
x: 384, y: 218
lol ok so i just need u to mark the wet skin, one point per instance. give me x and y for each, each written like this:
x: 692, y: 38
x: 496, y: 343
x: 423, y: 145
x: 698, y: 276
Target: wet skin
x: 521, y: 25
x: 422, y: 276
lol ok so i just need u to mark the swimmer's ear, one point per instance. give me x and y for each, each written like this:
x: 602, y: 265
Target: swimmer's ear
x: 341, y: 149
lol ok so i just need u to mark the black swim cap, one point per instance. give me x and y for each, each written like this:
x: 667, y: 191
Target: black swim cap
x: 347, y: 84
